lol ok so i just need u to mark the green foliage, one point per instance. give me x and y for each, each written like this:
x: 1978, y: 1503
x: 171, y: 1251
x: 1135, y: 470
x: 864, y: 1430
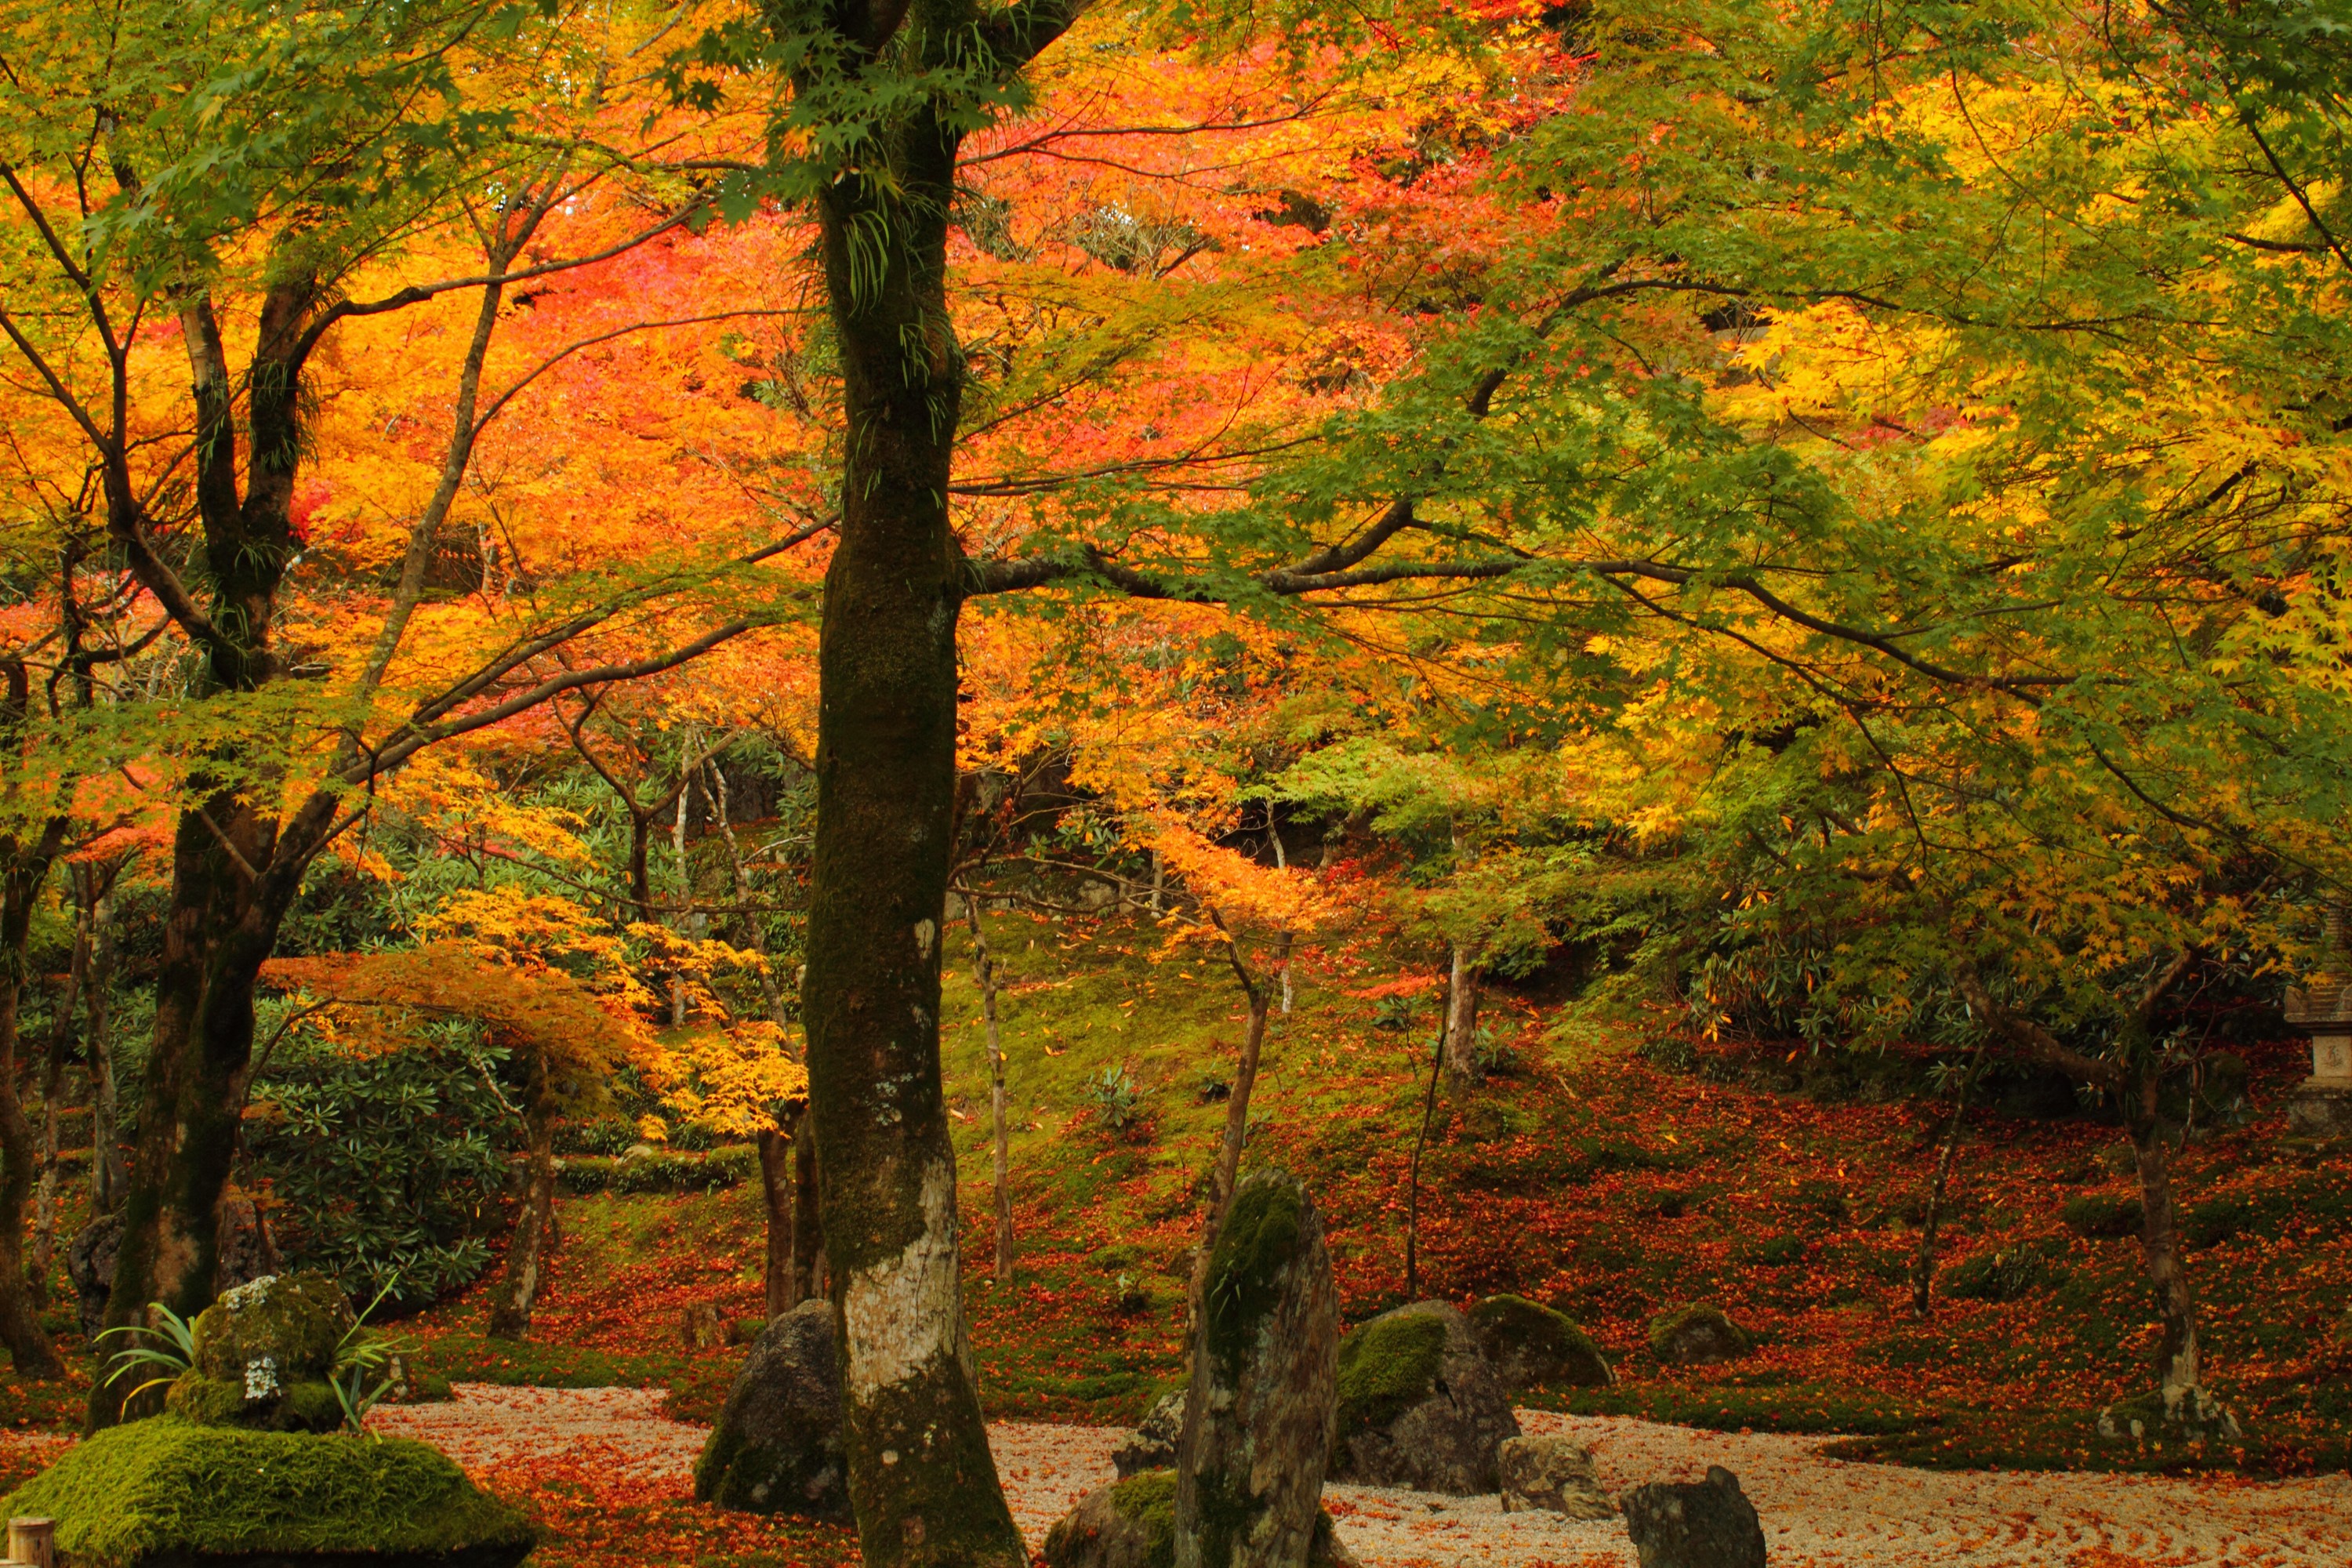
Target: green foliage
x: 715, y: 1172
x: 165, y: 1488
x: 2004, y: 1274
x: 389, y: 1165
x: 1386, y: 1367
x: 1118, y: 1105
x: 166, y: 1351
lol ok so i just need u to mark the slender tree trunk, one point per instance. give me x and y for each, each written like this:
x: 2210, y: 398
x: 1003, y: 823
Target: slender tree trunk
x: 1282, y: 863
x: 1462, y: 1019
x: 41, y: 1255
x: 535, y: 1237
x: 1923, y: 1266
x: 922, y: 1479
x: 1413, y: 1175
x: 2178, y: 1374
x: 105, y: 1151
x: 686, y: 885
x: 776, y: 1203
x: 984, y: 973
x: 1227, y: 1168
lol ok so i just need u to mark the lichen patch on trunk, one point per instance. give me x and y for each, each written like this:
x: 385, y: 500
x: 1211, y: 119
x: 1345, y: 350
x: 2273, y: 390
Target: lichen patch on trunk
x: 908, y: 1310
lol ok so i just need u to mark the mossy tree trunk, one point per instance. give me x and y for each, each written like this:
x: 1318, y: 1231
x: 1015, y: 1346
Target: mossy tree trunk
x: 1462, y: 1017
x: 24, y: 866
x: 2178, y: 1377
x: 921, y: 1476
x: 808, y: 1215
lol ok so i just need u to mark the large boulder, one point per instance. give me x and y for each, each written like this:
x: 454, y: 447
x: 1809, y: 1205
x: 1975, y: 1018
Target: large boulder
x: 1257, y: 1415
x: 1528, y: 1345
x: 166, y: 1493
x: 1418, y: 1406
x: 265, y: 1356
x: 1698, y: 1336
x: 1550, y: 1475
x: 1131, y: 1523
x: 777, y: 1446
x: 1152, y: 1445
x: 1696, y: 1524
x: 248, y: 1252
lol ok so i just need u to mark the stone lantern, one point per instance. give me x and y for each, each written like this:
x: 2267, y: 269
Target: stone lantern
x: 2321, y: 1106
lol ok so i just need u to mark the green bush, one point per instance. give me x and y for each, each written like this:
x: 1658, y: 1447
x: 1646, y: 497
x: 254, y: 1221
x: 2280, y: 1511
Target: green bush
x: 2212, y: 1223
x: 2102, y: 1215
x: 163, y: 1489
x: 2002, y: 1276
x: 722, y: 1168
x: 388, y: 1165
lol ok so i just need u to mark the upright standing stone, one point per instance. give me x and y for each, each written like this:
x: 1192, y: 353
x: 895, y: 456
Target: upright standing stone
x: 1258, y: 1415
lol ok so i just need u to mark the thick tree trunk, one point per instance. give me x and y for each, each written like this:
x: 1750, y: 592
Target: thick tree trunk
x: 1462, y: 1019
x: 534, y: 1237
x: 776, y: 1200
x: 220, y: 926
x: 922, y: 1479
x: 23, y: 869
x: 984, y: 973
x: 2179, y: 1376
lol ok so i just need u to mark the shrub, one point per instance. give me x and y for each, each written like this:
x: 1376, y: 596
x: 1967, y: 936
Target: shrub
x: 2103, y: 1213
x: 1774, y: 1251
x: 2210, y: 1224
x: 1118, y: 1105
x: 389, y: 1167
x: 715, y: 1172
x: 2002, y: 1276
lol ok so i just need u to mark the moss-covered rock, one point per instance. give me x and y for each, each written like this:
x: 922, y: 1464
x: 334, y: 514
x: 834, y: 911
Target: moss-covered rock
x: 167, y: 1492
x: 776, y: 1446
x: 1417, y: 1403
x: 264, y: 1353
x: 1698, y: 1336
x: 1132, y: 1524
x: 1528, y: 1345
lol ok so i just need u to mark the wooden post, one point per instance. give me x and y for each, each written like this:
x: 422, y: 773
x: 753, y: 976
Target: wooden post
x: 33, y: 1541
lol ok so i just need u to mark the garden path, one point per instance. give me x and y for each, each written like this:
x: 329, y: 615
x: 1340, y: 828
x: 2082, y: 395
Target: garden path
x: 1817, y: 1512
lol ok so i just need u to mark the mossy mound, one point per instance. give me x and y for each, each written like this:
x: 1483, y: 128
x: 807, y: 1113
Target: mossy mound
x: 2108, y: 1214
x: 1698, y: 1336
x: 1529, y: 1345
x: 165, y: 1492
x: 264, y: 1354
x: 1386, y: 1367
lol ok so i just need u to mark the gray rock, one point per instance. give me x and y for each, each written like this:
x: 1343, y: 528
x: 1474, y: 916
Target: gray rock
x: 1699, y: 1524
x: 247, y: 1253
x: 1131, y: 1523
x: 1258, y: 1417
x: 1152, y: 1445
x: 1528, y: 1345
x: 1418, y: 1406
x: 777, y: 1446
x: 1698, y: 1336
x: 1549, y: 1475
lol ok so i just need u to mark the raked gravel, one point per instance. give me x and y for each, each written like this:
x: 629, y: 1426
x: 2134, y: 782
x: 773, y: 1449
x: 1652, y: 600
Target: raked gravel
x: 1817, y: 1513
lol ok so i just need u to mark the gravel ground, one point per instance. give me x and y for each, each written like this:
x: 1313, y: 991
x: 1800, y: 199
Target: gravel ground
x: 1817, y: 1513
